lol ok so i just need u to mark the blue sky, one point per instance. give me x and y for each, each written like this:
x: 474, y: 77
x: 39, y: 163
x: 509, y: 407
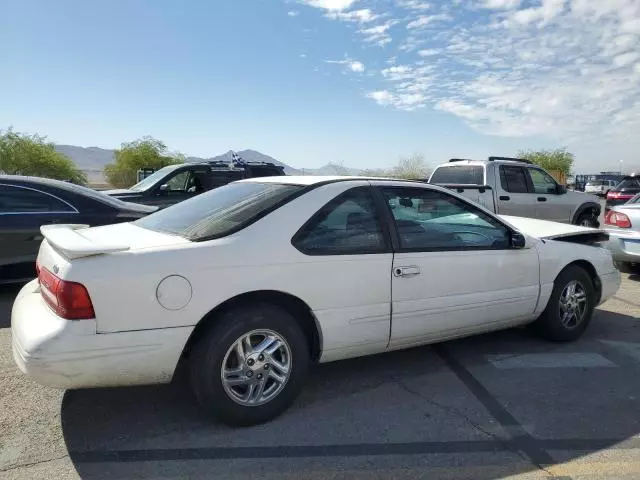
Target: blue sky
x: 361, y: 82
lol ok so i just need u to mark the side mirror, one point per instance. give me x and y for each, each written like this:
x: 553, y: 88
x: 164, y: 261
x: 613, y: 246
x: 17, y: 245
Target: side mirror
x: 561, y: 190
x: 518, y: 240
x: 163, y: 189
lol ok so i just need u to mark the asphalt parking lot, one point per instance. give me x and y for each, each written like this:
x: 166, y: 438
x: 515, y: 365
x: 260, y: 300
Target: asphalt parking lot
x: 502, y: 405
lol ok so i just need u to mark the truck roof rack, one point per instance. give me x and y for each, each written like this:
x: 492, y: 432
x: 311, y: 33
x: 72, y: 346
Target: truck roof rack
x: 510, y: 159
x: 460, y: 160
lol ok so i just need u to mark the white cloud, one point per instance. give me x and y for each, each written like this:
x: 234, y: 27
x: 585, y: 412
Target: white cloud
x: 293, y: 13
x: 378, y: 34
x: 356, y: 67
x: 364, y: 15
x: 563, y: 69
x: 330, y: 4
x: 350, y: 64
x: 413, y: 5
x: 625, y: 59
x: 424, y: 20
x: 383, y: 97
x: 428, y: 52
x: 500, y: 4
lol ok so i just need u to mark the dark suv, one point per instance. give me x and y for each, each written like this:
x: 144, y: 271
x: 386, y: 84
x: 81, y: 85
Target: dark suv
x: 628, y: 188
x: 176, y: 183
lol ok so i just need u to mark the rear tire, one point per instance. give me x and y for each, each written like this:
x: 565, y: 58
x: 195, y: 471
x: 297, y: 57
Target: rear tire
x: 242, y: 379
x: 570, y: 307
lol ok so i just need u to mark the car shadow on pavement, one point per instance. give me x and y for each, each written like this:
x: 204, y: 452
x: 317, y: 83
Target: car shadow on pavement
x: 7, y: 294
x: 444, y: 401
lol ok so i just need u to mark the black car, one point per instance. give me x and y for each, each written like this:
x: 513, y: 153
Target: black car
x: 176, y: 183
x: 628, y: 188
x: 26, y: 203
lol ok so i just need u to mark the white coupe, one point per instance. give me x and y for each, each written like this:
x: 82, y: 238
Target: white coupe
x: 251, y: 282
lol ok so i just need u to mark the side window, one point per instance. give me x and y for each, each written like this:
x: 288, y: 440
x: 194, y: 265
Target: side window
x: 178, y: 182
x: 513, y: 179
x: 542, y: 181
x: 348, y: 225
x: 222, y: 177
x: 24, y: 200
x: 428, y: 220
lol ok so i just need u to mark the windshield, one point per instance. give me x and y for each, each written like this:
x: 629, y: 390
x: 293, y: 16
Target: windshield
x: 221, y: 211
x: 629, y: 183
x: 153, y: 178
x: 459, y: 175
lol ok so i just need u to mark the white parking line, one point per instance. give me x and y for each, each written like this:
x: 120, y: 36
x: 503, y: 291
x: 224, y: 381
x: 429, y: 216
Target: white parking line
x: 550, y: 360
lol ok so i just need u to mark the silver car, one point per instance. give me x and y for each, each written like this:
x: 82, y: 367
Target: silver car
x: 622, y: 223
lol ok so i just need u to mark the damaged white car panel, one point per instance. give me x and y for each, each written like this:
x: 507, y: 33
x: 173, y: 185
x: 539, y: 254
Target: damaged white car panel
x: 258, y: 278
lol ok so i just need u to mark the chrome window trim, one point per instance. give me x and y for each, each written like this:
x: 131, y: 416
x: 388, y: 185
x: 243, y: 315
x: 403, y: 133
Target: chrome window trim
x: 73, y: 209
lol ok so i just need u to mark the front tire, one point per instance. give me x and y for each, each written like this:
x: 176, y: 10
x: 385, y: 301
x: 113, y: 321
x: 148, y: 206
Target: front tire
x: 570, y: 306
x: 250, y: 366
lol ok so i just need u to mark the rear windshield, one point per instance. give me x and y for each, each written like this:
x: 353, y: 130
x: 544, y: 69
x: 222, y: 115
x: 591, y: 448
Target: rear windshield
x: 629, y: 183
x: 459, y: 175
x: 221, y: 211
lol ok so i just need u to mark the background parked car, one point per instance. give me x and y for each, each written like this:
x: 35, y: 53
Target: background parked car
x: 176, y: 183
x: 26, y: 203
x: 599, y: 187
x: 628, y: 188
x: 622, y: 222
x: 512, y: 186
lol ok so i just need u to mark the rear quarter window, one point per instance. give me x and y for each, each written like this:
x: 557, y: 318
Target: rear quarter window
x: 459, y: 175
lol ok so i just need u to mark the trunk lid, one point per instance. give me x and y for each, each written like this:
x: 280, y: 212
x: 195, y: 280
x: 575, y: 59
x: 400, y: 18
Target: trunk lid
x: 78, y: 241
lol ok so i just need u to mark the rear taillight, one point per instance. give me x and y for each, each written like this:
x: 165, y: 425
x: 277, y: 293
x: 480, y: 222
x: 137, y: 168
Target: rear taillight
x: 618, y: 219
x: 69, y: 300
x: 620, y: 196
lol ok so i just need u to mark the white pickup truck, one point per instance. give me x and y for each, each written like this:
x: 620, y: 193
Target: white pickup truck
x: 512, y: 186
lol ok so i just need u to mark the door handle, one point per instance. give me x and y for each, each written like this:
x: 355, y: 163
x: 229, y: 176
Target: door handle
x: 505, y: 198
x: 406, y: 271
x: 542, y: 199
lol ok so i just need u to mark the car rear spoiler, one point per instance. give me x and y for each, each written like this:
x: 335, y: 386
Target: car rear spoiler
x: 70, y: 242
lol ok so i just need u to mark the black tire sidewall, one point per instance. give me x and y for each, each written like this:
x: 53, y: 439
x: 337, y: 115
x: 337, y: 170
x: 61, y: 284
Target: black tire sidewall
x: 549, y: 324
x: 206, y: 364
x: 593, y: 220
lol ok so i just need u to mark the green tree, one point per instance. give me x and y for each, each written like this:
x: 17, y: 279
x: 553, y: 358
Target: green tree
x: 146, y: 152
x: 33, y: 155
x: 413, y: 167
x: 557, y: 159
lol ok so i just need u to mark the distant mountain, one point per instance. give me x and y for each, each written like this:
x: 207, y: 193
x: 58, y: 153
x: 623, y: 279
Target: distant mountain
x: 92, y: 160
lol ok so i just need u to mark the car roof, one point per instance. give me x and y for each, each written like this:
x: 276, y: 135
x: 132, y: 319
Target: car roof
x: 314, y: 180
x: 24, y: 179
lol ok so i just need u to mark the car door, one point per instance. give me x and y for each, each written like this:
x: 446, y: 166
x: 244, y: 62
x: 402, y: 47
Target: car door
x: 549, y: 200
x: 454, y: 269
x: 347, y: 241
x: 176, y: 187
x: 22, y: 211
x: 514, y: 196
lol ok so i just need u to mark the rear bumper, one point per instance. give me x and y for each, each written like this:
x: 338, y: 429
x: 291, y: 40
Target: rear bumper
x: 624, y: 246
x: 71, y: 354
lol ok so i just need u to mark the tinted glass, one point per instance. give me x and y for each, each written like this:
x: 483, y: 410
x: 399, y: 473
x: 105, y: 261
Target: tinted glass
x: 629, y: 183
x: 222, y: 177
x: 153, y: 178
x: 427, y: 220
x: 513, y: 179
x: 220, y: 212
x: 178, y: 182
x: 23, y: 200
x: 347, y: 225
x: 459, y: 174
x: 542, y: 182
